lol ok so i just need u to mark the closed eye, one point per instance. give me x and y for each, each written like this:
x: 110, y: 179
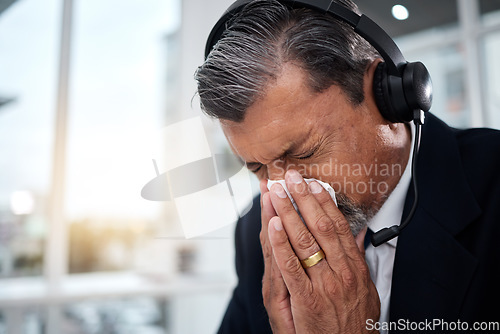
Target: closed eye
x: 254, y: 167
x: 306, y: 156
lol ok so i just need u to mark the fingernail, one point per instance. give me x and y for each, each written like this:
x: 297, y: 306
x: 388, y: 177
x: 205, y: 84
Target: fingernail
x: 278, y: 226
x: 294, y: 176
x: 278, y: 190
x: 315, y: 187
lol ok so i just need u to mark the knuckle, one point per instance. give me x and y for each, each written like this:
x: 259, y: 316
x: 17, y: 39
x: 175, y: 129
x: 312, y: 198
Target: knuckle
x: 332, y: 288
x: 349, y: 279
x: 292, y: 266
x: 266, y: 255
x: 313, y: 304
x: 305, y: 240
x: 265, y: 291
x: 288, y: 210
x: 325, y: 225
x: 265, y: 247
x: 342, y: 226
x: 264, y: 238
x: 275, y: 294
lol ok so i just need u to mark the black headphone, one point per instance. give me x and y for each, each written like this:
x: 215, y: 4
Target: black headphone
x: 402, y: 90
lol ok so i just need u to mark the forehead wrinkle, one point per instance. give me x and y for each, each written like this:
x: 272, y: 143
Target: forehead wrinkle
x: 253, y: 144
x: 265, y: 152
x: 275, y: 124
x: 267, y: 142
x: 291, y: 145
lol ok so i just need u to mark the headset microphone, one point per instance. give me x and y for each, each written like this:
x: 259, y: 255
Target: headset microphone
x: 388, y: 233
x: 402, y: 90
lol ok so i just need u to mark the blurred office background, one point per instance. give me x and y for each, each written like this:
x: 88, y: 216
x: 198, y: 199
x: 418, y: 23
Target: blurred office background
x: 85, y: 85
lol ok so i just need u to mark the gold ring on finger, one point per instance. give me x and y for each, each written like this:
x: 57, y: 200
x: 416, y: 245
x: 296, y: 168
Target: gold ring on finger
x: 313, y: 259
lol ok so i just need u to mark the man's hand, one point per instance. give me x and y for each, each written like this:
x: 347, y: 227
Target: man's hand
x: 334, y: 296
x: 275, y: 294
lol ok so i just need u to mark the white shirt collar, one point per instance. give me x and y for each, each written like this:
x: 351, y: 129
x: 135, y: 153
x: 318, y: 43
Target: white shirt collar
x: 391, y: 211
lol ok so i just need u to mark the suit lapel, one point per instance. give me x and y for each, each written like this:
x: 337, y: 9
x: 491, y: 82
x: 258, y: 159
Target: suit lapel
x: 431, y: 272
x: 431, y: 269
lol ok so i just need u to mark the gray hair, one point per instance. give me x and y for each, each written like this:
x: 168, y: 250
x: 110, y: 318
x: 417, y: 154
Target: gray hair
x: 263, y: 37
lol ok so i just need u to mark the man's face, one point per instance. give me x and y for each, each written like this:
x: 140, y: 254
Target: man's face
x: 323, y: 136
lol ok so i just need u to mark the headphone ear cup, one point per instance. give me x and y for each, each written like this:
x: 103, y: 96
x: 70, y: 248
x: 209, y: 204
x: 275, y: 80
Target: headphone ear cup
x: 390, y: 96
x: 380, y: 91
x: 417, y: 86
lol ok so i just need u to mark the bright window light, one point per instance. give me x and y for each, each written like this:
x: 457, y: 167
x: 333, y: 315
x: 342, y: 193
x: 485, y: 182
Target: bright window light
x: 22, y: 202
x: 400, y: 12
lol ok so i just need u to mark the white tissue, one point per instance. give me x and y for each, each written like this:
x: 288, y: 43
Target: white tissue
x: 283, y: 184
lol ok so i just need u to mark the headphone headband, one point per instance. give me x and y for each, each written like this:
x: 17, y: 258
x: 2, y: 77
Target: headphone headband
x: 401, y: 88
x: 362, y: 25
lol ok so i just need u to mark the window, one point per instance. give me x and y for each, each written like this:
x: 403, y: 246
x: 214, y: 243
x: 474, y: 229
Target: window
x: 28, y: 63
x: 130, y: 74
x: 457, y: 41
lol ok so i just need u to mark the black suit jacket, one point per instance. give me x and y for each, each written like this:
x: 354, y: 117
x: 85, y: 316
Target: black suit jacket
x: 447, y: 263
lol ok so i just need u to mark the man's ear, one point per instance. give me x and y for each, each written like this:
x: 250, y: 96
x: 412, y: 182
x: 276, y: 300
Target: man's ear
x: 369, y: 76
x: 369, y: 95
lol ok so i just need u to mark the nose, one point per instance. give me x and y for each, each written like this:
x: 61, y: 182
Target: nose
x: 276, y: 170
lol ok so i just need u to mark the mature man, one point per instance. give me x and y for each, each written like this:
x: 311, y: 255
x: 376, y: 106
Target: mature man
x: 293, y: 89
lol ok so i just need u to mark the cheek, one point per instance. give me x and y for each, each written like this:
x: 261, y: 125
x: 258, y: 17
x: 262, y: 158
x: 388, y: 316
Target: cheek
x: 355, y: 148
x: 262, y: 174
x: 275, y: 170
x: 353, y: 174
